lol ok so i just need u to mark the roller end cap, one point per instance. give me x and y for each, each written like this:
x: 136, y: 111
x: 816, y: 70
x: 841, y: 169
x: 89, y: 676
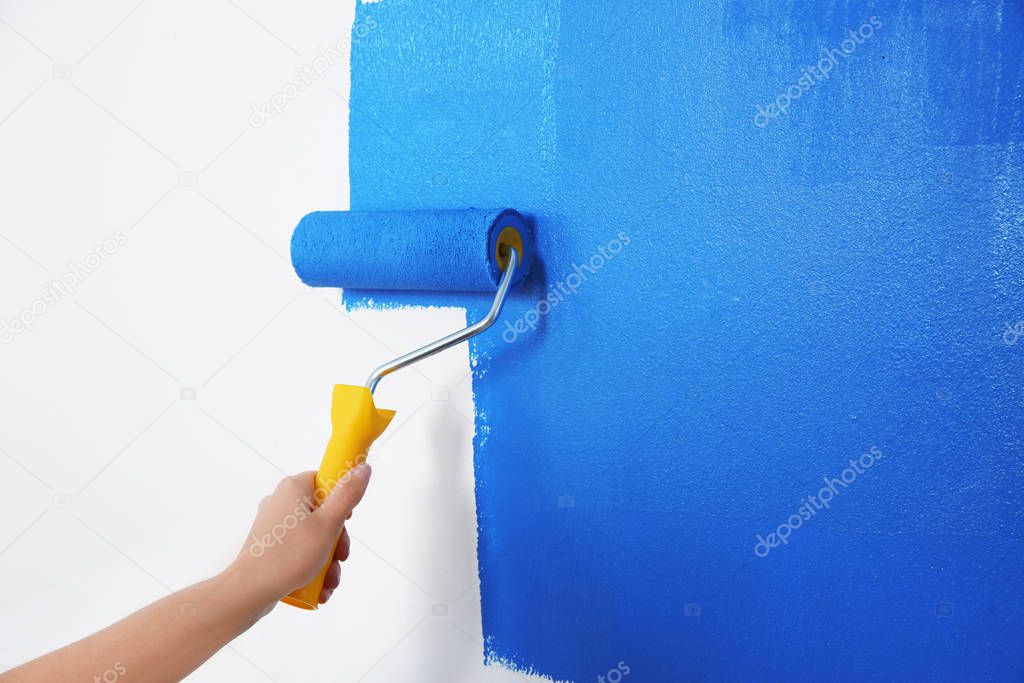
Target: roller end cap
x: 510, y: 230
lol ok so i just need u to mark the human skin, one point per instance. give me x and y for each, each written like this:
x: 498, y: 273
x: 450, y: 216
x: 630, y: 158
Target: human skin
x: 170, y: 638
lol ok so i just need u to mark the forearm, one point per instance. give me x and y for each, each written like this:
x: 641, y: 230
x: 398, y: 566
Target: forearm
x: 164, y: 641
x: 167, y: 640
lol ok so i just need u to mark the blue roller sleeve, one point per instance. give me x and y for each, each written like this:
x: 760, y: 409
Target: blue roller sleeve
x: 406, y: 250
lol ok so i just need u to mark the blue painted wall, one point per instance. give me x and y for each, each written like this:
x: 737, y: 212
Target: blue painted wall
x: 790, y: 290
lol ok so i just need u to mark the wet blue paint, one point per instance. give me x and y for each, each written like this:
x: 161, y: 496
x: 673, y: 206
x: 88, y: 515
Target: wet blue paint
x: 448, y: 251
x: 791, y: 295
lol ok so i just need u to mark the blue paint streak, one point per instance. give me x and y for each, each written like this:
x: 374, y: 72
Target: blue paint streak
x: 790, y: 296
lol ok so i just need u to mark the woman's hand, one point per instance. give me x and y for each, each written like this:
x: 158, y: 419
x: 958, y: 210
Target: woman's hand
x: 292, y: 539
x: 290, y: 542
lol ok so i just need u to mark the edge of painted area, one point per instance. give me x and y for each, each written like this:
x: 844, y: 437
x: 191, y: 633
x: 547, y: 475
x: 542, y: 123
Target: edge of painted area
x: 794, y: 294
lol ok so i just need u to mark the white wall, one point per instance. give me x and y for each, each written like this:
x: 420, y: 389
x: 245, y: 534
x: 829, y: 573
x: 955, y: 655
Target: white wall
x: 131, y: 120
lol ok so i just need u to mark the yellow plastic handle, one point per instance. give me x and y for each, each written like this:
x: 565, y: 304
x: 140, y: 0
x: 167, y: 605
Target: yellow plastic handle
x: 355, y: 424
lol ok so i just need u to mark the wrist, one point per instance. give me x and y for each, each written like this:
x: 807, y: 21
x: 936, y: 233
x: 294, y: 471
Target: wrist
x: 239, y: 598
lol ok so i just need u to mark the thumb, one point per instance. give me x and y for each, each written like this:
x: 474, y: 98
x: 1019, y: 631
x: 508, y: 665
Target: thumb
x: 345, y: 496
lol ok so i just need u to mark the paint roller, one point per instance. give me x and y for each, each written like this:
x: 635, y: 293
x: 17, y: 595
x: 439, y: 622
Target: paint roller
x: 471, y: 250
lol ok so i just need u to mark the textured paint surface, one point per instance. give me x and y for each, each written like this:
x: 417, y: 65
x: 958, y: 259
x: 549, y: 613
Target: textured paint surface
x: 449, y: 251
x: 791, y: 295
